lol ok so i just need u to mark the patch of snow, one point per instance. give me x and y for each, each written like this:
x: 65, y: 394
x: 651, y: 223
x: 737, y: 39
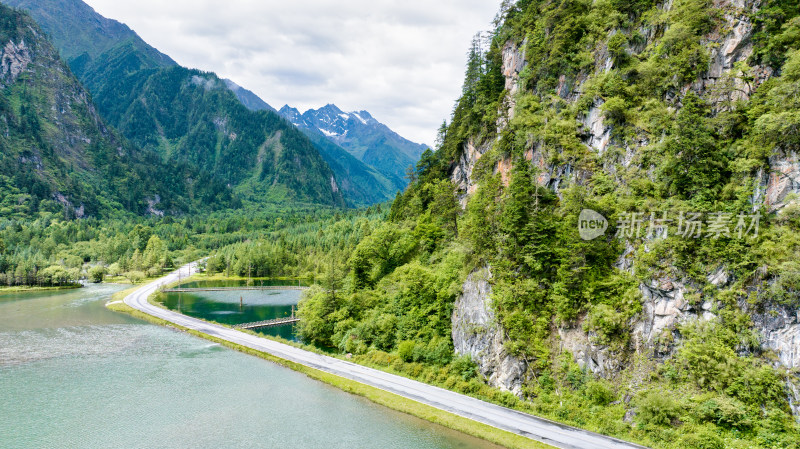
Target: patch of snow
x: 359, y: 118
x: 327, y: 133
x: 344, y: 116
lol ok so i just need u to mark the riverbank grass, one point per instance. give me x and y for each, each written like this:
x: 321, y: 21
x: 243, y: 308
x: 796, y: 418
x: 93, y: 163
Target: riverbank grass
x: 382, y: 397
x: 26, y: 288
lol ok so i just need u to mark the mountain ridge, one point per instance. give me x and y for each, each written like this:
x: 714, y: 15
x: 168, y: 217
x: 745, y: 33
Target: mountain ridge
x: 363, y: 136
x: 248, y: 98
x: 95, y: 35
x: 361, y: 183
x: 192, y: 120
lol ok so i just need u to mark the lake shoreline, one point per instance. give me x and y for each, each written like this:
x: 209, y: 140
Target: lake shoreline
x: 223, y: 277
x: 376, y: 395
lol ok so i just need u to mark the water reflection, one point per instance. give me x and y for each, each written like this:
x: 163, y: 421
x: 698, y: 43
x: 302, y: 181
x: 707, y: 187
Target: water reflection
x: 238, y: 306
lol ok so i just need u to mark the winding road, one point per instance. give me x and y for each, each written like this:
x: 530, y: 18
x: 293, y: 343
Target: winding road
x: 539, y: 429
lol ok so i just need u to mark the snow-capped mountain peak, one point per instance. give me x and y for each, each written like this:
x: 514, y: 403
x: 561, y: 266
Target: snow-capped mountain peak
x: 361, y: 135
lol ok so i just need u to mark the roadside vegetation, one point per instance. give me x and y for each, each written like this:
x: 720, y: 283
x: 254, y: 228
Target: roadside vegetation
x: 708, y: 385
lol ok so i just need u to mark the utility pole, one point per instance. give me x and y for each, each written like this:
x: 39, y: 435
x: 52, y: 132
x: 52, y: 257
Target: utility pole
x: 179, y: 291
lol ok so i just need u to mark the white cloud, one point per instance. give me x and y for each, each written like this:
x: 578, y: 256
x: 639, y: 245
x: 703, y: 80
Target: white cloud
x: 401, y: 61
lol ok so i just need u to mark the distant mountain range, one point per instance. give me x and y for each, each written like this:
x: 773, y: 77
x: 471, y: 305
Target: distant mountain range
x: 218, y: 140
x: 211, y: 143
x: 365, y: 138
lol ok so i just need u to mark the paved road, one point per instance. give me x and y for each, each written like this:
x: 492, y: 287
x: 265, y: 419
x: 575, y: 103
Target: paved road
x: 539, y: 429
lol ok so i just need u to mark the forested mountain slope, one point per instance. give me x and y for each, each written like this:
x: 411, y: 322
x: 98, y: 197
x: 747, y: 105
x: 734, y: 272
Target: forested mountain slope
x: 360, y: 184
x: 82, y: 35
x: 194, y: 121
x: 197, y: 126
x: 57, y: 152
x: 677, y: 326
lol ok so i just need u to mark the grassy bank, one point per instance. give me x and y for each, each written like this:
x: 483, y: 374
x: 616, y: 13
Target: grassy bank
x: 376, y: 395
x: 123, y: 280
x: 26, y: 288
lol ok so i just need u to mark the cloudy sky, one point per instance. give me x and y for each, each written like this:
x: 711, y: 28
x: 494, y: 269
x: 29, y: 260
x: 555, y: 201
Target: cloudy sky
x: 403, y: 61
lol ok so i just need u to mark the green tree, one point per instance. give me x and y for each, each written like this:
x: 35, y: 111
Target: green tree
x: 154, y: 253
x: 134, y: 276
x: 97, y: 273
x: 694, y: 167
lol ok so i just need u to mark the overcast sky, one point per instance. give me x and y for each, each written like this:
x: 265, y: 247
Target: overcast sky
x: 403, y: 61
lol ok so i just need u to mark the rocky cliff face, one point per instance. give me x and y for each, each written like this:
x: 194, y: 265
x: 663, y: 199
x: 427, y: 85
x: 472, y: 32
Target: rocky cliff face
x: 462, y: 172
x: 780, y: 181
x: 780, y: 328
x: 15, y: 59
x: 665, y: 305
x: 476, y: 333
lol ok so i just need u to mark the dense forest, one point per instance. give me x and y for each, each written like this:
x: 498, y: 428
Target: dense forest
x: 294, y: 241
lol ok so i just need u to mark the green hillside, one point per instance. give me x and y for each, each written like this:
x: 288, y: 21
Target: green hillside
x: 82, y: 35
x: 360, y: 183
x: 191, y: 120
x: 196, y: 123
x: 57, y: 152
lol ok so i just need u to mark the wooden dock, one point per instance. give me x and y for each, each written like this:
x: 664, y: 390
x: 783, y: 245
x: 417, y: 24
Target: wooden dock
x: 233, y: 289
x: 267, y: 323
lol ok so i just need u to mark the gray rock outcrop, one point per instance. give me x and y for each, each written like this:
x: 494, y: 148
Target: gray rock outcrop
x: 780, y: 329
x: 476, y: 333
x: 462, y: 172
x: 14, y: 60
